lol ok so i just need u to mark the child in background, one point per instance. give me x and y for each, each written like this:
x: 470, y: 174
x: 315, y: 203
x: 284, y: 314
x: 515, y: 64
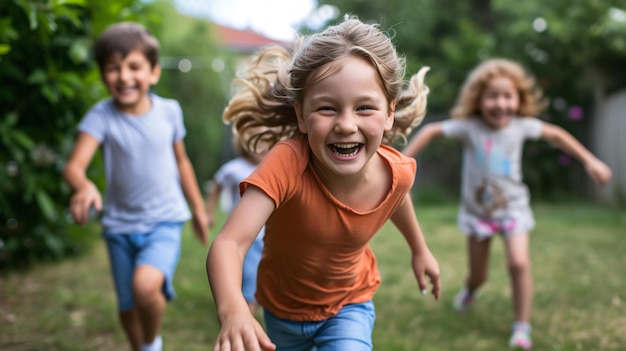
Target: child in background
x: 494, y: 114
x: 225, y: 189
x: 148, y: 177
x: 326, y: 186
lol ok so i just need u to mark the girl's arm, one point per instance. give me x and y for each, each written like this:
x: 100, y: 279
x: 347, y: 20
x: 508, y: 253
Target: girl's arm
x: 192, y: 192
x: 224, y: 265
x: 422, y: 260
x: 85, y: 192
x: 423, y: 137
x: 560, y: 138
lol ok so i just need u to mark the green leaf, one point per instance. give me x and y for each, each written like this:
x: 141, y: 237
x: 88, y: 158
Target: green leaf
x: 70, y: 2
x: 38, y: 76
x: 50, y: 92
x: 21, y: 139
x: 54, y: 244
x: 68, y: 13
x: 66, y: 90
x: 4, y: 49
x: 10, y: 119
x: 46, y: 205
x: 32, y: 18
x: 80, y: 50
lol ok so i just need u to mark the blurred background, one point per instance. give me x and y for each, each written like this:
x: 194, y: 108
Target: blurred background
x: 48, y: 80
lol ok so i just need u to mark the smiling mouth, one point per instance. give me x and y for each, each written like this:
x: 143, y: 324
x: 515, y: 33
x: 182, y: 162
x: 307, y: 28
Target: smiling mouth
x: 346, y: 150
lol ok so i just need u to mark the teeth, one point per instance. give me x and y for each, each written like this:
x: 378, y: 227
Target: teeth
x: 345, y: 146
x: 344, y: 149
x: 350, y: 154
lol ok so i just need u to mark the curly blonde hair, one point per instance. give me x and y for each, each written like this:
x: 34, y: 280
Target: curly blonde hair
x: 531, y: 98
x: 276, y: 78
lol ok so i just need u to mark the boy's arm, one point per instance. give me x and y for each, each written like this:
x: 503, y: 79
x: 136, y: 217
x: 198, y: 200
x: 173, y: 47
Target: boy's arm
x: 422, y: 260
x: 423, y: 137
x: 85, y: 192
x: 211, y: 203
x: 224, y: 266
x: 560, y: 138
x: 192, y: 193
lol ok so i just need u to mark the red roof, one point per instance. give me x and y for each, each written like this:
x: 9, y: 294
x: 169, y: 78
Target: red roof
x: 245, y: 40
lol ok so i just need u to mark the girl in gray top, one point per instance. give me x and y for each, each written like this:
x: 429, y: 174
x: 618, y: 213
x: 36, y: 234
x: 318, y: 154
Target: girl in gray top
x: 493, y: 117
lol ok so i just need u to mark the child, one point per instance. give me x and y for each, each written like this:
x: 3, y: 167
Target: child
x: 148, y: 178
x: 226, y: 188
x: 327, y: 185
x: 493, y: 116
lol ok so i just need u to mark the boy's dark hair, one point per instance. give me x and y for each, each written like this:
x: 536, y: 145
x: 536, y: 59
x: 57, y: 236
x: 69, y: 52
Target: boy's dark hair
x: 123, y: 38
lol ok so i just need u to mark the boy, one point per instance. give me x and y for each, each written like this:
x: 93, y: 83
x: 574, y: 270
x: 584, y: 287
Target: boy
x: 148, y: 176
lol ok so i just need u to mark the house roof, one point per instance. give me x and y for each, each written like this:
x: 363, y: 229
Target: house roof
x: 243, y: 40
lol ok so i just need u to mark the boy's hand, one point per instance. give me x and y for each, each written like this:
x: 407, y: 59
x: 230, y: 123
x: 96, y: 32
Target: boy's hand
x: 599, y: 172
x: 210, y: 218
x: 82, y: 200
x: 200, y: 226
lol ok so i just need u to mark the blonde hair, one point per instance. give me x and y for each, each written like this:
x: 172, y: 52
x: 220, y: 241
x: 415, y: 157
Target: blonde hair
x: 530, y: 95
x: 241, y: 149
x: 276, y: 78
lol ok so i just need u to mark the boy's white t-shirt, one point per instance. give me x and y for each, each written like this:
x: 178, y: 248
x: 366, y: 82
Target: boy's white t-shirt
x: 142, y: 180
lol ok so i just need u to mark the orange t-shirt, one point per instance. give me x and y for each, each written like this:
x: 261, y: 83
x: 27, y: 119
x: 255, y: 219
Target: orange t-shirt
x: 317, y: 257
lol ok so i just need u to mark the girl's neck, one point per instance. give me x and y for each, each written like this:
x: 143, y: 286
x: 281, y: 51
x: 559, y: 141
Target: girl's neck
x: 363, y: 191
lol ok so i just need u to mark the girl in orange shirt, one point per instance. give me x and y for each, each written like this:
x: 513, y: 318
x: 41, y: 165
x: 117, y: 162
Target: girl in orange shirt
x: 328, y: 183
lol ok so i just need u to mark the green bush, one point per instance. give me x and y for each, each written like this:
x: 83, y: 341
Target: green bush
x: 48, y: 80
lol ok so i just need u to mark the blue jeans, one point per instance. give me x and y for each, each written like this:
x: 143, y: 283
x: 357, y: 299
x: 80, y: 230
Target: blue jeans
x: 250, y: 269
x: 351, y: 329
x: 159, y: 248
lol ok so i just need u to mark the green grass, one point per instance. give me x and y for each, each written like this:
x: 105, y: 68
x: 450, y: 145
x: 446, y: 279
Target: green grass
x: 579, y: 266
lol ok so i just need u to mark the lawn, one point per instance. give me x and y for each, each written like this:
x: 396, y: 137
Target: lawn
x: 579, y: 265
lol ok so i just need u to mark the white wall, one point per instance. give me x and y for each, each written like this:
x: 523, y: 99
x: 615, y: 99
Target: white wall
x: 608, y: 142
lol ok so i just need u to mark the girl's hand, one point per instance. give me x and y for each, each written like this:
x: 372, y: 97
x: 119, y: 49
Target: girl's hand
x: 426, y: 264
x: 243, y: 332
x: 599, y: 172
x: 82, y: 201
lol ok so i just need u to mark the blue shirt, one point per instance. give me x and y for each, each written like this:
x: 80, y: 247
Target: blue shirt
x: 142, y: 180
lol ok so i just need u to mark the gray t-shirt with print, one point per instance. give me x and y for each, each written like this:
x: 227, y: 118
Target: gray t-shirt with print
x: 492, y: 186
x: 142, y: 180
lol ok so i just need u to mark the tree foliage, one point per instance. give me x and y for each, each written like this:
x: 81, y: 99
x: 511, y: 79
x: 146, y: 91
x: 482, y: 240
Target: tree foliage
x: 576, y: 49
x: 48, y: 80
x: 201, y: 87
x: 51, y: 79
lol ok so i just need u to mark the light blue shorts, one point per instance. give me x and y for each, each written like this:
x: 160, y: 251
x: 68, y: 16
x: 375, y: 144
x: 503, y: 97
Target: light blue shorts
x: 250, y: 269
x: 351, y: 329
x: 159, y: 248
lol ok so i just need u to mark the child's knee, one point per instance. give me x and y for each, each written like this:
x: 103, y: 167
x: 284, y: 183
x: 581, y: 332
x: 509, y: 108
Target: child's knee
x: 517, y: 267
x: 147, y: 282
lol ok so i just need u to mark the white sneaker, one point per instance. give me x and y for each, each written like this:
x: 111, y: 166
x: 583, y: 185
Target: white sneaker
x: 462, y: 301
x: 156, y: 345
x: 521, y: 339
